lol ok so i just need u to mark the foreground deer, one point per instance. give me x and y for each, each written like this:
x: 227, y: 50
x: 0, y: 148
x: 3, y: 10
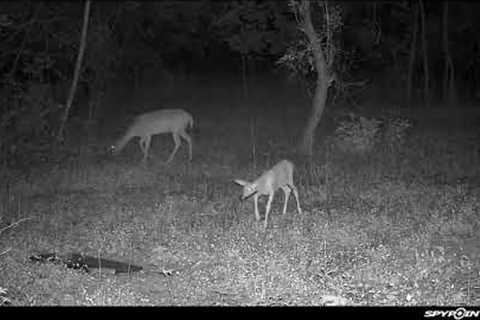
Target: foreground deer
x: 174, y: 121
x: 279, y: 176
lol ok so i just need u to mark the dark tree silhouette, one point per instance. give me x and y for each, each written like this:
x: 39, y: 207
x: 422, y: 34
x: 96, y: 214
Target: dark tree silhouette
x: 78, y: 66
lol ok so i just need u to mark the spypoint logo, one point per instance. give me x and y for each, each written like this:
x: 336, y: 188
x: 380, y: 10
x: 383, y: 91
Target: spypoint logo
x: 457, y: 314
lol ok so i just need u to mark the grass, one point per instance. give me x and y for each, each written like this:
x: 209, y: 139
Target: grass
x: 382, y: 229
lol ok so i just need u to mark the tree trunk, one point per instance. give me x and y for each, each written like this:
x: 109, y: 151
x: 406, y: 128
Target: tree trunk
x: 445, y: 51
x: 318, y: 106
x: 452, y: 91
x: 449, y: 92
x: 244, y: 56
x: 374, y: 12
x: 78, y: 66
x: 94, y: 102
x: 411, y: 60
x: 426, y: 76
x: 322, y: 82
x: 244, y: 76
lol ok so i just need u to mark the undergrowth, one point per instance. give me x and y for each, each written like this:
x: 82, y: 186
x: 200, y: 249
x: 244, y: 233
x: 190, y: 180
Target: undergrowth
x: 391, y: 226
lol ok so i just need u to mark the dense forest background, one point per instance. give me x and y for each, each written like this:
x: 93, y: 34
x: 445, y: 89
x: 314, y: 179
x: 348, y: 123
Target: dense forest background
x: 403, y: 53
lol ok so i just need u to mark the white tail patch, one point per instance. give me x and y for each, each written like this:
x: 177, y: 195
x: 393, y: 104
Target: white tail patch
x: 174, y: 121
x: 280, y: 176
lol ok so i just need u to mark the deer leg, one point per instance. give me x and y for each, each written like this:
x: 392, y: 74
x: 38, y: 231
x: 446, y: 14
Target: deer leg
x: 145, y: 145
x: 255, y: 201
x: 140, y: 143
x: 295, y: 193
x: 187, y: 138
x: 267, y: 210
x: 287, y: 191
x: 177, y: 141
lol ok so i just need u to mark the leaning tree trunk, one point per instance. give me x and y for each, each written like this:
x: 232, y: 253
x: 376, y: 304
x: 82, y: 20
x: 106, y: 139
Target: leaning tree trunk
x: 322, y: 82
x: 411, y: 60
x: 426, y: 76
x: 78, y: 66
x: 318, y: 105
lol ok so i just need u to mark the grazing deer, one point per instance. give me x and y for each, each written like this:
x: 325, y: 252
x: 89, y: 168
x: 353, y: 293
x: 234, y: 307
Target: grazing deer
x: 279, y: 176
x: 174, y: 121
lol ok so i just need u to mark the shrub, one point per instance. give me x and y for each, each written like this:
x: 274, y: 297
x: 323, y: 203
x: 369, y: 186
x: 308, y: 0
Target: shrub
x: 394, y: 130
x: 26, y: 121
x: 356, y: 134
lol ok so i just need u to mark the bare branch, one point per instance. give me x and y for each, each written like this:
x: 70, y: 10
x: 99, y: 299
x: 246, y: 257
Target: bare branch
x: 5, y: 251
x: 24, y: 41
x: 14, y: 224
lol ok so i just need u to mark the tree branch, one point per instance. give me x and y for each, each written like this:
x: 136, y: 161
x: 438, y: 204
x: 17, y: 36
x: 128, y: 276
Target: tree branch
x: 16, y: 223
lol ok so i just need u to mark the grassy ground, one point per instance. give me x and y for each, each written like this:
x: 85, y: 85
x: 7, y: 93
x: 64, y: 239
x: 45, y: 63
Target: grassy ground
x: 383, y: 229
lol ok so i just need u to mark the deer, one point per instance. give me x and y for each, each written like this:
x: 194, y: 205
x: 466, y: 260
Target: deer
x: 280, y: 176
x: 146, y: 125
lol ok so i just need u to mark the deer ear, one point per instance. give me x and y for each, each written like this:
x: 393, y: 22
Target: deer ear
x: 240, y: 182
